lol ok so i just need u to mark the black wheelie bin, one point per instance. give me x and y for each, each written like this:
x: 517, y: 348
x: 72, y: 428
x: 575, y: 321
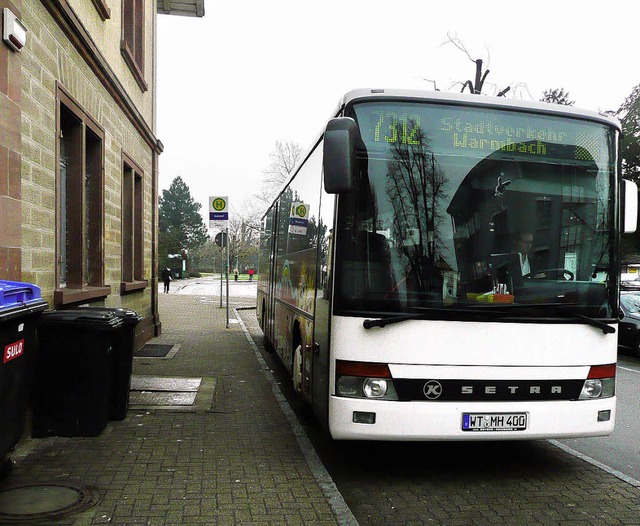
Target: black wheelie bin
x: 73, y: 373
x: 20, y: 306
x: 121, y: 359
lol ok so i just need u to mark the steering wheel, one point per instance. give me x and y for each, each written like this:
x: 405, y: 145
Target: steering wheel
x: 553, y: 273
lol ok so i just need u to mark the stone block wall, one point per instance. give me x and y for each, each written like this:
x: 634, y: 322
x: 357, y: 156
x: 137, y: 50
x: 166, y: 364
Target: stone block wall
x: 29, y: 191
x: 10, y: 157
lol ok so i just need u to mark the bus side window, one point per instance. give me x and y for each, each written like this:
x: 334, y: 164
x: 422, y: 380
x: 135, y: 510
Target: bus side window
x: 367, y: 265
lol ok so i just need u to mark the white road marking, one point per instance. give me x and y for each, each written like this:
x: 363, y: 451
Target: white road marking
x: 597, y: 463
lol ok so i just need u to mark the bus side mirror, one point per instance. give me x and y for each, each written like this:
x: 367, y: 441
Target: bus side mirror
x: 630, y: 212
x: 339, y: 155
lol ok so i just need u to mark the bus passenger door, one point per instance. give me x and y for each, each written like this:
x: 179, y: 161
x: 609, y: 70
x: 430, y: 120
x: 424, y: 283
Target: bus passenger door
x: 267, y: 276
x: 322, y: 325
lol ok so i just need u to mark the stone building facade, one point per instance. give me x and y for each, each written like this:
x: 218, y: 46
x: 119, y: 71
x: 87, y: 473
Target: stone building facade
x: 79, y: 154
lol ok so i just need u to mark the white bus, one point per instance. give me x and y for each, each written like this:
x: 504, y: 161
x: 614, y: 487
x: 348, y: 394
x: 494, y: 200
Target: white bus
x: 446, y: 267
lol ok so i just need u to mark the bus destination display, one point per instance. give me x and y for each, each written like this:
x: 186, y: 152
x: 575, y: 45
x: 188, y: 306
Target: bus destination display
x: 465, y: 130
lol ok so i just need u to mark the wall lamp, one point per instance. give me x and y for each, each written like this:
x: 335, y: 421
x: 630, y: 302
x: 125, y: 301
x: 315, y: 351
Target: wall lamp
x: 14, y: 33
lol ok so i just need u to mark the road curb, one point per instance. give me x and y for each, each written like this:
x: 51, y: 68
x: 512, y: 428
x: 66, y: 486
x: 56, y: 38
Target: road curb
x: 339, y: 507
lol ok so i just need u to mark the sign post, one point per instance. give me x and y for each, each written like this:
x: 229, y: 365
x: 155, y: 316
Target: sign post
x: 219, y: 218
x: 221, y: 241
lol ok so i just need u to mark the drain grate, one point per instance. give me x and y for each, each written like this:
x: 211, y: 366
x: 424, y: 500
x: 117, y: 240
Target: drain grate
x: 162, y: 398
x: 179, y: 394
x: 33, y: 504
x: 157, y: 350
x: 164, y: 383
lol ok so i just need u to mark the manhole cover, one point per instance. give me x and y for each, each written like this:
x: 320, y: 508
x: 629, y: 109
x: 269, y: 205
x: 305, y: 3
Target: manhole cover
x: 28, y: 504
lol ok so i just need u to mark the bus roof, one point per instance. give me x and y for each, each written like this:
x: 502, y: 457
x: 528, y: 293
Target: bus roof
x: 486, y: 101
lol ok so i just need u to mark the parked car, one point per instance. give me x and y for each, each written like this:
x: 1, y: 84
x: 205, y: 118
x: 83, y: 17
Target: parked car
x: 629, y: 283
x: 629, y: 327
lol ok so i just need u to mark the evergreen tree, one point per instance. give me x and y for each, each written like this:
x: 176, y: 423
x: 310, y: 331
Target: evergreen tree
x: 180, y: 224
x: 629, y: 115
x: 557, y: 96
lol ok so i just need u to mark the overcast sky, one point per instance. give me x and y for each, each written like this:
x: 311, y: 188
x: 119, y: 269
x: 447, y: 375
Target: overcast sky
x: 251, y: 73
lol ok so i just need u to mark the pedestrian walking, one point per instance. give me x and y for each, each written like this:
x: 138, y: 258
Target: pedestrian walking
x: 166, y: 278
x: 235, y: 274
x: 251, y: 273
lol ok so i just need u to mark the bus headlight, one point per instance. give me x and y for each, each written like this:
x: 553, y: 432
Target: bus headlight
x: 600, y: 383
x: 364, y: 380
x: 349, y: 386
x: 375, y: 387
x: 598, y: 388
x: 358, y: 387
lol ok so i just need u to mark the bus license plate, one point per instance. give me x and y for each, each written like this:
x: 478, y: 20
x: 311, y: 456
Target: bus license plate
x: 494, y: 421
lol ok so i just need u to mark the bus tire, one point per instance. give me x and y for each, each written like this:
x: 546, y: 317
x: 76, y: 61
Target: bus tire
x: 266, y: 343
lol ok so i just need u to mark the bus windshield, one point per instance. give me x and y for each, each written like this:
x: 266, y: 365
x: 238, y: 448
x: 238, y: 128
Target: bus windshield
x: 456, y: 207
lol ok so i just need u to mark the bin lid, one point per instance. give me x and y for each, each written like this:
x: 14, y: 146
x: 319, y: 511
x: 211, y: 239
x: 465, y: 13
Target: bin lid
x: 128, y: 316
x: 14, y: 292
x: 18, y: 298
x: 79, y: 319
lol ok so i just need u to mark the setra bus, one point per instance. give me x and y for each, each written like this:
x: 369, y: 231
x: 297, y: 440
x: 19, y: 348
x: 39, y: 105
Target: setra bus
x: 445, y: 267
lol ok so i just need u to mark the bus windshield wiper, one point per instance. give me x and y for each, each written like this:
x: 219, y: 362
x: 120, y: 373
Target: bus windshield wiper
x: 562, y: 309
x: 369, y: 324
x: 570, y: 313
x: 424, y: 313
x: 503, y: 309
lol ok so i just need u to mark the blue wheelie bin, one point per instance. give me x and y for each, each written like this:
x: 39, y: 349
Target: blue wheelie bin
x: 20, y: 306
x: 121, y: 359
x: 73, y: 374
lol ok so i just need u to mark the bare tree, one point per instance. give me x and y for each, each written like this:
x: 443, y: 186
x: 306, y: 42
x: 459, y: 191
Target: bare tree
x: 244, y: 238
x: 416, y: 186
x: 244, y: 230
x: 475, y: 86
x: 284, y: 159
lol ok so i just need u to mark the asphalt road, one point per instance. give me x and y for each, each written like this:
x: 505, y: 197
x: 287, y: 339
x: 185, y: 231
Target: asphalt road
x: 620, y: 451
x: 210, y: 286
x: 617, y: 455
x: 462, y: 484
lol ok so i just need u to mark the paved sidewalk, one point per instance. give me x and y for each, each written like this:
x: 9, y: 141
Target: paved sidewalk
x: 232, y: 458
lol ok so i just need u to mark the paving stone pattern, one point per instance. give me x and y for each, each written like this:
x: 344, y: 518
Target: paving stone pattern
x: 235, y: 463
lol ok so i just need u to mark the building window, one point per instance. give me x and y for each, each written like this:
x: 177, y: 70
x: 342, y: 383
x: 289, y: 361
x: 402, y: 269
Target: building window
x: 80, y: 205
x: 132, y: 43
x: 132, y: 226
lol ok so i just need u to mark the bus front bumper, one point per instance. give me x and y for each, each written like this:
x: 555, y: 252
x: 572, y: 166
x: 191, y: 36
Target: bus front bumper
x: 365, y: 419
